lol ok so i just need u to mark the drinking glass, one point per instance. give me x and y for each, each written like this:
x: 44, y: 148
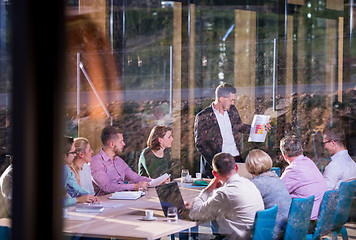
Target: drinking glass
x: 198, y: 175
x: 184, y: 174
x: 142, y: 186
x: 172, y: 214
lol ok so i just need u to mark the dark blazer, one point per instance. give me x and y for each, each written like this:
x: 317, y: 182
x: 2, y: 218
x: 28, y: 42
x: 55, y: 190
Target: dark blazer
x: 208, y: 139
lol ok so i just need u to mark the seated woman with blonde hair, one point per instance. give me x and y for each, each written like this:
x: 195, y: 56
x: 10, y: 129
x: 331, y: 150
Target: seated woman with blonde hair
x: 272, y: 189
x: 74, y: 192
x: 155, y: 159
x: 80, y: 165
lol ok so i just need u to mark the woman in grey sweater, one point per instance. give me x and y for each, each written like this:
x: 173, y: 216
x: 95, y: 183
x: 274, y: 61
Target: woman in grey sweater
x: 272, y: 189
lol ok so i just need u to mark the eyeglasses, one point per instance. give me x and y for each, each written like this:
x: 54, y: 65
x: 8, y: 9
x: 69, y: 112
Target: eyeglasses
x: 74, y: 153
x: 327, y: 141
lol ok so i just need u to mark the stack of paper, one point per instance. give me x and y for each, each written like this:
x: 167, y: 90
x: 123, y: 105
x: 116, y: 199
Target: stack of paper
x: 89, y: 208
x: 126, y: 195
x: 159, y: 180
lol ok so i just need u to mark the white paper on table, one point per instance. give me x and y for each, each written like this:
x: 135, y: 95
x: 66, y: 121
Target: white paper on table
x: 258, y: 128
x: 73, y: 215
x: 159, y: 180
x: 89, y: 208
x: 132, y: 195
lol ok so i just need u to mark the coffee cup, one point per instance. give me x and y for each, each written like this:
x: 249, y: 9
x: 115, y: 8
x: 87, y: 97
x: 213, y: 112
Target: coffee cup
x: 149, y: 214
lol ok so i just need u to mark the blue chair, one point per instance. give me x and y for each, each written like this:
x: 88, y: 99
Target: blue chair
x: 326, y: 216
x: 299, y: 218
x: 264, y: 223
x: 5, y: 233
x: 346, y: 194
x: 277, y: 170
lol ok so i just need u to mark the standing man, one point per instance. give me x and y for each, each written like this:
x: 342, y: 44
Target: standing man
x: 234, y: 203
x: 302, y: 177
x: 217, y: 128
x: 342, y: 167
x: 109, y: 171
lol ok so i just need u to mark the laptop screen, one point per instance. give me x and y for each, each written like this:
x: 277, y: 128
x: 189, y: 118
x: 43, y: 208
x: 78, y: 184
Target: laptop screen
x: 170, y: 196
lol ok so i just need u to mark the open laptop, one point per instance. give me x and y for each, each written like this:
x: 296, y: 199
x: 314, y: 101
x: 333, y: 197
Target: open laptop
x: 170, y: 196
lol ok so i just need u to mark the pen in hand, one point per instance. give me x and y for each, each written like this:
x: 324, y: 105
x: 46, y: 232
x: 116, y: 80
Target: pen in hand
x: 96, y: 193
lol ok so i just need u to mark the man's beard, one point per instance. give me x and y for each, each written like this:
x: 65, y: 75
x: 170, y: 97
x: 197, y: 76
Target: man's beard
x: 117, y: 151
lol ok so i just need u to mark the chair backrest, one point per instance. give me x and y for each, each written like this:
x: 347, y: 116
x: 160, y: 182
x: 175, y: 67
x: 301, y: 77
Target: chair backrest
x: 299, y: 218
x: 265, y: 222
x: 326, y: 213
x: 277, y: 170
x: 346, y: 194
x: 5, y: 233
x: 243, y: 171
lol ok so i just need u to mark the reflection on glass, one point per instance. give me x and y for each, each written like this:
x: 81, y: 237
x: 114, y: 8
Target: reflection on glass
x: 146, y: 66
x: 138, y: 64
x: 131, y: 71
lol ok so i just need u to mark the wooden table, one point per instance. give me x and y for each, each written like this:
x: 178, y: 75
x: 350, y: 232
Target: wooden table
x: 125, y: 221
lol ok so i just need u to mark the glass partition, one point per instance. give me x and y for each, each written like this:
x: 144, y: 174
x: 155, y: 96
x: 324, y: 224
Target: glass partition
x: 162, y: 61
x: 138, y: 64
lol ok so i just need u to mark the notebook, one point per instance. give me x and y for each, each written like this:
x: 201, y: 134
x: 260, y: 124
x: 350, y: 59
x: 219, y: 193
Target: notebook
x: 170, y: 196
x: 89, y: 208
x: 133, y: 195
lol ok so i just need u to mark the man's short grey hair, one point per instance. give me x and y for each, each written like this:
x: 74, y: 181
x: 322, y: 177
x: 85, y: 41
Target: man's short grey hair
x: 224, y: 90
x: 291, y: 146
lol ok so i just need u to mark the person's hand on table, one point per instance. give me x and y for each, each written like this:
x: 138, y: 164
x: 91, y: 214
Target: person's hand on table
x: 142, y: 185
x: 97, y: 199
x: 184, y: 213
x: 87, y: 199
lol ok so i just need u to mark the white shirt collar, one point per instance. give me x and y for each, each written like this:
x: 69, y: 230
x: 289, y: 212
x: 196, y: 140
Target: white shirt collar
x: 215, y: 110
x: 339, y: 154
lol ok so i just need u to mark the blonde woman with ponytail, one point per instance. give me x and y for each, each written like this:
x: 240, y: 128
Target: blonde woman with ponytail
x: 80, y: 165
